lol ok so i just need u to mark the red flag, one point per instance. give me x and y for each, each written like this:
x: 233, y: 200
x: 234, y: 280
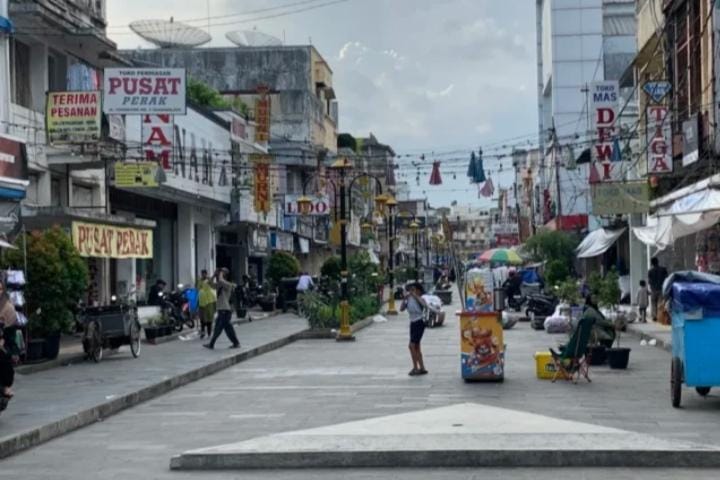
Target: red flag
x: 594, y: 177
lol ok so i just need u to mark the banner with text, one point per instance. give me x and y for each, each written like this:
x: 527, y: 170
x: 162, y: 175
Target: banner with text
x: 139, y: 91
x: 136, y: 174
x: 72, y: 117
x: 110, y: 241
x: 604, y: 98
x: 261, y: 183
x: 615, y: 198
x: 157, y: 139
x: 262, y: 119
x: 659, y: 140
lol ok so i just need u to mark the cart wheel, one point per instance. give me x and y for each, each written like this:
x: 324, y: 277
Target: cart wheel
x: 135, y: 341
x: 95, y: 343
x: 702, y: 391
x: 676, y: 379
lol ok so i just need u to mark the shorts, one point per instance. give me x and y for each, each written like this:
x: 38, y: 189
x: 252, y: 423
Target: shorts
x: 417, y: 328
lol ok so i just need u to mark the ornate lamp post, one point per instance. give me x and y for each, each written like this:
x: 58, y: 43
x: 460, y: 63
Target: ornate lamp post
x: 342, y: 166
x: 391, y: 204
x: 414, y: 227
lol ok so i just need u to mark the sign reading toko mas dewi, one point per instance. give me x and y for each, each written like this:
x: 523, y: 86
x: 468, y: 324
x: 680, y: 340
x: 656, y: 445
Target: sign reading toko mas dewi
x: 140, y: 91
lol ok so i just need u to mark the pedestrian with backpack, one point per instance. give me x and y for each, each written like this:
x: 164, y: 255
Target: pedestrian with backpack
x: 225, y: 290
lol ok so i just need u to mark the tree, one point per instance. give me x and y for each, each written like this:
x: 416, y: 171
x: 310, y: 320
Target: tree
x: 331, y: 268
x: 204, y: 95
x: 345, y: 140
x: 552, y: 246
x: 57, y: 277
x: 282, y: 265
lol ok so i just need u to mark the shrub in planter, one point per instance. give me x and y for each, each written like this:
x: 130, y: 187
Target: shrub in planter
x: 57, y: 277
x: 331, y: 268
x: 282, y: 265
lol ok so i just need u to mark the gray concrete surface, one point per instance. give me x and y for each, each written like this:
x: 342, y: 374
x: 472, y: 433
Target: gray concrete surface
x: 51, y: 403
x: 317, y: 383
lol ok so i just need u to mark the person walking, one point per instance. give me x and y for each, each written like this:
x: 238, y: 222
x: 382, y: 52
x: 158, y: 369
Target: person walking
x: 305, y: 283
x: 207, y: 301
x: 225, y: 291
x: 656, y: 277
x: 415, y: 305
x: 642, y: 301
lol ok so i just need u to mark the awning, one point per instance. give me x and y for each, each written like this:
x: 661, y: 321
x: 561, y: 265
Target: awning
x: 684, y: 216
x: 598, y: 242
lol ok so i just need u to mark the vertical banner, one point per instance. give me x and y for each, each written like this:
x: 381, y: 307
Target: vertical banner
x: 157, y: 139
x: 261, y: 183
x: 262, y: 117
x: 604, y: 109
x: 659, y: 140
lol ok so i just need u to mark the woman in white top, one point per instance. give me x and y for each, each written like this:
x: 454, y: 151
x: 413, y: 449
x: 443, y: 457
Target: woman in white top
x: 415, y: 305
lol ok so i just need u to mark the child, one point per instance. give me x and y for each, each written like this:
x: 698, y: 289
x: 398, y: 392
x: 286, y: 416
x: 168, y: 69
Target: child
x: 643, y: 300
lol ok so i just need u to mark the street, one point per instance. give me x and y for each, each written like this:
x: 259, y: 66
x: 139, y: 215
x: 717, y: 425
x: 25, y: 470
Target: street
x: 313, y: 383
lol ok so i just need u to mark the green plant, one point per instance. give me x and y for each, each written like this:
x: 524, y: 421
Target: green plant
x: 609, y: 291
x: 57, y: 277
x: 569, y: 292
x: 282, y: 265
x: 331, y: 268
x: 556, y: 272
x: 363, y: 307
x: 364, y: 278
x: 552, y: 245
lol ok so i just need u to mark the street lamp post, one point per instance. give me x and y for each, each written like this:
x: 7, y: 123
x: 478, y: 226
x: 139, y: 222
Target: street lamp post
x: 342, y: 166
x: 391, y: 204
x: 414, y: 226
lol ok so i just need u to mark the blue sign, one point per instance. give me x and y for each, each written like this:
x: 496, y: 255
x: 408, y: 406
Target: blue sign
x: 657, y: 90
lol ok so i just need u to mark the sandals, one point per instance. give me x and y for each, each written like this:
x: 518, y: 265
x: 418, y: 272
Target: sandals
x: 415, y: 372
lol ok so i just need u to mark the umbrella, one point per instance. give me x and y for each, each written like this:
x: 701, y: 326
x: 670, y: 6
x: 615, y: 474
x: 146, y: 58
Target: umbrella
x: 501, y: 255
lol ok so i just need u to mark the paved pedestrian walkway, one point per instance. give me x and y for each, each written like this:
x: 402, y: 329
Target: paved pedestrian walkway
x: 50, y: 396
x: 315, y: 383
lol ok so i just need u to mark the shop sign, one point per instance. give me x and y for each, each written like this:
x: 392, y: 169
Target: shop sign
x: 157, y: 139
x: 136, y: 174
x: 659, y: 140
x: 604, y: 108
x: 657, y: 91
x: 259, y: 241
x: 615, y: 198
x: 262, y: 118
x: 261, y: 183
x: 141, y: 91
x: 691, y: 141
x: 116, y: 124
x: 319, y: 206
x: 305, y: 227
x: 13, y: 158
x: 282, y: 241
x: 109, y: 241
x: 505, y: 228
x: 72, y: 117
x: 320, y: 230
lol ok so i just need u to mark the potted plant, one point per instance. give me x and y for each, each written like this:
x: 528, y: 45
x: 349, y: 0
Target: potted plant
x: 619, y: 357
x: 609, y: 296
x: 268, y: 298
x: 55, y: 273
x: 153, y: 328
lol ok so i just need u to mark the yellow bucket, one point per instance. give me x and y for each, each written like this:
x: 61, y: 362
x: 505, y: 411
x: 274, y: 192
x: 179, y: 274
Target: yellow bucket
x: 544, y: 365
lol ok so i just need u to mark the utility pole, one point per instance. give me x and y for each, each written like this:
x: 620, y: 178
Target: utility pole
x: 556, y: 164
x: 4, y: 71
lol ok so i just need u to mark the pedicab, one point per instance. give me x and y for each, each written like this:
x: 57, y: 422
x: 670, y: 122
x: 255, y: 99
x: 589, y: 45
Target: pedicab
x: 111, y: 326
x: 694, y: 301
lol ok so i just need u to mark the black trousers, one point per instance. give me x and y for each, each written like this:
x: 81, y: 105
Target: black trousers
x: 224, y: 323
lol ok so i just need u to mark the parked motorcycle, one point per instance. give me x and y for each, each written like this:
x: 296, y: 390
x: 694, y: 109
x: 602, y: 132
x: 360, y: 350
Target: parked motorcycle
x: 176, y: 309
x: 516, y: 302
x: 540, y: 306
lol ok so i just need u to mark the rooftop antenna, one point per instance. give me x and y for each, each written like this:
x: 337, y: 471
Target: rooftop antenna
x: 170, y: 34
x: 252, y: 38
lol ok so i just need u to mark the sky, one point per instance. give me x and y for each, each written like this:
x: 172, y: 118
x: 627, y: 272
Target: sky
x: 437, y: 78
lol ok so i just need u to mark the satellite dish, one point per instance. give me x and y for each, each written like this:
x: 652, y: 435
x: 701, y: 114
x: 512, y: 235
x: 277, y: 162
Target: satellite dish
x: 252, y: 38
x: 170, y: 34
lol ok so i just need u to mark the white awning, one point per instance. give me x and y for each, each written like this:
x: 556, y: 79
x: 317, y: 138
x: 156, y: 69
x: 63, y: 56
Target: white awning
x: 598, y: 242
x: 684, y: 216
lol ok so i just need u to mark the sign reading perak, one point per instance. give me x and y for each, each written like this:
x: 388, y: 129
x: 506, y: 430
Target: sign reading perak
x: 140, y: 91
x: 110, y: 241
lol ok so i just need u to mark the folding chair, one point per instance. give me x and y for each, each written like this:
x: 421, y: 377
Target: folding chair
x: 571, y: 361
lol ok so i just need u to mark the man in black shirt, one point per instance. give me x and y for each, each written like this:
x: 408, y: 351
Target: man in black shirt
x: 656, y: 278
x: 154, y: 293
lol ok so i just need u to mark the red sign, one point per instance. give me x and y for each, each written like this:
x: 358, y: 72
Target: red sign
x: 261, y: 183
x: 262, y: 119
x: 13, y: 159
x: 157, y: 138
x: 659, y: 139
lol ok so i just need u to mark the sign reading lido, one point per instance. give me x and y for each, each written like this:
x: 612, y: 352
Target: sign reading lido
x: 614, y: 198
x: 110, y: 241
x: 319, y: 206
x: 140, y: 91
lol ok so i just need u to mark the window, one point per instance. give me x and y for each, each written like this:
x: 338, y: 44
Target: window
x: 55, y: 192
x: 82, y: 196
x: 20, y: 74
x: 31, y: 195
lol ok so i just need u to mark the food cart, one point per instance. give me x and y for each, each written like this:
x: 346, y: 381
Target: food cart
x: 481, y: 334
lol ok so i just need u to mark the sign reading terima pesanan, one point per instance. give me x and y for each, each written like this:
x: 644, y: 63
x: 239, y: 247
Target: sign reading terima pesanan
x: 72, y: 117
x: 110, y: 241
x: 140, y: 91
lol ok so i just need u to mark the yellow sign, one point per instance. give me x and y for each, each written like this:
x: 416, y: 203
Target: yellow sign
x: 262, y: 119
x: 136, y: 174
x: 73, y: 117
x: 261, y: 183
x: 614, y: 198
x: 110, y: 241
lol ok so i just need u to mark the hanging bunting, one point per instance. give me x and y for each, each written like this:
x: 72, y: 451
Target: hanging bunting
x: 435, y: 178
x: 594, y: 176
x: 617, y: 151
x: 476, y: 171
x: 570, y: 162
x: 488, y: 189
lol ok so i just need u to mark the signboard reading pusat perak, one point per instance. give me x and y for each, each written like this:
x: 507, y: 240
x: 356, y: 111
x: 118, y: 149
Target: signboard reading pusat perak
x: 140, y: 91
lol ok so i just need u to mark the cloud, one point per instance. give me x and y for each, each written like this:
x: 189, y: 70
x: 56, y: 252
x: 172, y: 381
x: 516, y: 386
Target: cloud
x: 442, y: 93
x: 484, y: 39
